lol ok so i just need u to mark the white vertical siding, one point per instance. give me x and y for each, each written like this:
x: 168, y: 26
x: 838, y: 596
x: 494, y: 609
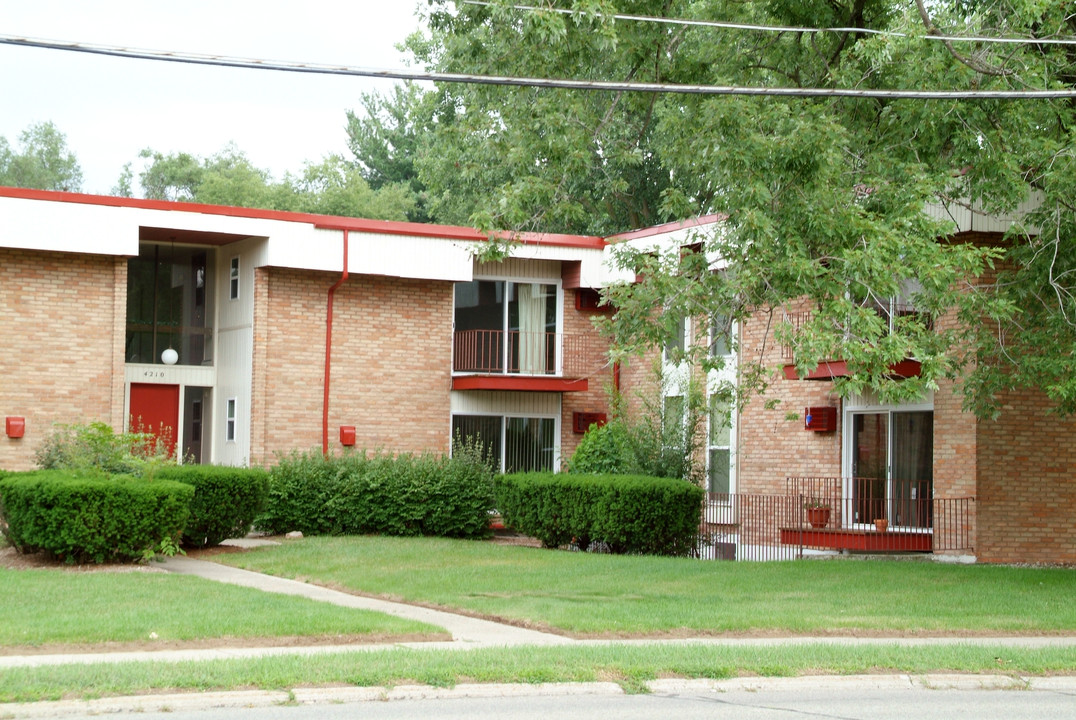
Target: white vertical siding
x: 519, y: 268
x: 234, y: 350
x: 485, y: 402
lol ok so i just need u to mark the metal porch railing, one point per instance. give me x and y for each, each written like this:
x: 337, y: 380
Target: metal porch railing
x: 745, y: 526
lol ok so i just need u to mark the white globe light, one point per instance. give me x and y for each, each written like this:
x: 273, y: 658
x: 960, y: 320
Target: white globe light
x: 169, y: 357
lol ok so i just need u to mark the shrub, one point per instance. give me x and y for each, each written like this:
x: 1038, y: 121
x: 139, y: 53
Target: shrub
x: 83, y: 516
x: 357, y: 494
x: 602, y: 451
x: 629, y: 514
x: 226, y: 500
x: 97, y: 446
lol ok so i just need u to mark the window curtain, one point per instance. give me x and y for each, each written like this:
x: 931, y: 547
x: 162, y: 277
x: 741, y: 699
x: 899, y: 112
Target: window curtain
x: 532, y: 334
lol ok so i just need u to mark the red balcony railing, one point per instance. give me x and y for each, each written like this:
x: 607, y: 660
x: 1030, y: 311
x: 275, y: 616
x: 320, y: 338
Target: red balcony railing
x: 491, y: 352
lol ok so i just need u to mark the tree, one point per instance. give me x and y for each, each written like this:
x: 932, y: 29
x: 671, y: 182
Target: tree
x: 825, y: 197
x: 331, y: 187
x: 42, y: 162
x: 385, y: 140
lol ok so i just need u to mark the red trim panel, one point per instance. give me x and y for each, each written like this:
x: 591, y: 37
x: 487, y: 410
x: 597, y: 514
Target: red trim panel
x: 869, y: 540
x: 839, y: 368
x: 518, y: 382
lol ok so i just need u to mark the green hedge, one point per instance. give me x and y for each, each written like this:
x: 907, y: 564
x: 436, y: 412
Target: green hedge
x: 81, y: 516
x: 358, y: 494
x: 628, y: 513
x: 226, y: 500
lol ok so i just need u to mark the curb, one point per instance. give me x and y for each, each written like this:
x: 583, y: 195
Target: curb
x: 317, y: 696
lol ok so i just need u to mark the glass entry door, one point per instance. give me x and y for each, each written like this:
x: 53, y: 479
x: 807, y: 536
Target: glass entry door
x: 893, y: 467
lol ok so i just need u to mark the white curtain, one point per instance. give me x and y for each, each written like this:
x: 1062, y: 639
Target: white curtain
x: 532, y: 338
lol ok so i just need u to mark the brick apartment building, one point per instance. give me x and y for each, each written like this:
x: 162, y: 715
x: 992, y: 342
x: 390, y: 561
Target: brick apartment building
x: 253, y: 332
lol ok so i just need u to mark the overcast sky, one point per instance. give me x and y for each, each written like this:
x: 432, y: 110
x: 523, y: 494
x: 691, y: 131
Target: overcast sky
x: 111, y: 108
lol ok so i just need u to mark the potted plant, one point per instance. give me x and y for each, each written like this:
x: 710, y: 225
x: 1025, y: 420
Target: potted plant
x: 818, y: 512
x: 881, y: 524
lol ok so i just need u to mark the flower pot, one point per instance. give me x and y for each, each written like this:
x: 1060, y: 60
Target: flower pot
x: 881, y: 524
x: 818, y: 517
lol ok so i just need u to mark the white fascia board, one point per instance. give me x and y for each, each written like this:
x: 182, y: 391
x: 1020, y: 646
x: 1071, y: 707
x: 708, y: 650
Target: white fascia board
x: 308, y: 248
x: 67, y: 227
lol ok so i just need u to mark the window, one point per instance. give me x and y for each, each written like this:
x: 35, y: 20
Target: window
x: 233, y: 279
x: 229, y: 432
x: 503, y: 326
x: 719, y: 447
x: 167, y: 305
x: 675, y: 343
x: 514, y: 444
x: 720, y: 332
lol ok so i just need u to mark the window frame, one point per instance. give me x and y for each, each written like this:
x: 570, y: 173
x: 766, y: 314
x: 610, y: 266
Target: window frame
x: 233, y: 278
x: 231, y: 419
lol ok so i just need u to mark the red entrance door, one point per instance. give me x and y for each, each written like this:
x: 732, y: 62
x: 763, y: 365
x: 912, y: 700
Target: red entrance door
x: 155, y: 410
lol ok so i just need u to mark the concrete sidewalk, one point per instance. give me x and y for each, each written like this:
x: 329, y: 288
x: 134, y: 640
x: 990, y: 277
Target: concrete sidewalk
x: 466, y: 631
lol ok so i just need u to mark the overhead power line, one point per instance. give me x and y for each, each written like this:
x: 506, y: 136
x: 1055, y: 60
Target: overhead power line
x: 795, y: 29
x: 564, y: 84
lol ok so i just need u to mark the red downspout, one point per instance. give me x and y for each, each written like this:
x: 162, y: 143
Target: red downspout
x: 328, y: 352
x: 616, y: 377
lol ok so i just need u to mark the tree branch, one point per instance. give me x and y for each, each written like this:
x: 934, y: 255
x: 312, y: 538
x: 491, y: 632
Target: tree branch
x: 972, y: 62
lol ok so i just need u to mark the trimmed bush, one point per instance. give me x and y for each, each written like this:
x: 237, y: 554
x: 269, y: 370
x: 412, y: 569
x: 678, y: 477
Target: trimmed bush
x: 226, y: 500
x: 358, y: 494
x: 81, y: 516
x: 628, y: 513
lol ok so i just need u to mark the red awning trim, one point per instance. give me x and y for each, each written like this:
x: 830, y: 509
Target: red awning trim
x: 839, y: 368
x: 525, y: 383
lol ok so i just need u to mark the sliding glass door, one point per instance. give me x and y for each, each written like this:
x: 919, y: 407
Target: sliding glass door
x: 892, y: 460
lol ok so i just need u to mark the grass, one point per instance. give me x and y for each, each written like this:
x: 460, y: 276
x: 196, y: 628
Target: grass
x: 604, y: 595
x: 53, y: 607
x: 629, y: 665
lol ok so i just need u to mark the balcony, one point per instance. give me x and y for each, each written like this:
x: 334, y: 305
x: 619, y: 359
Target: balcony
x: 534, y: 361
x: 830, y: 369
x: 833, y: 514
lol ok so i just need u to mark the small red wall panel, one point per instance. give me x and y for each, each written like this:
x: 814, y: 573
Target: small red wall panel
x: 820, y: 419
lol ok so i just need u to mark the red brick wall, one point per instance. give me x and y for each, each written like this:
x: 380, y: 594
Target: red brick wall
x: 770, y: 446
x: 63, y: 318
x: 592, y: 356
x: 391, y: 363
x: 1026, y: 483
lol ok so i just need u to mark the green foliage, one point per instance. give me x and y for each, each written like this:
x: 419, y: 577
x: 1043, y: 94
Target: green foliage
x: 96, y: 446
x: 385, y: 140
x: 824, y: 197
x: 42, y: 161
x: 359, y: 493
x: 83, y: 516
x: 628, y: 514
x: 661, y: 439
x: 226, y: 500
x: 330, y: 187
x: 604, y: 450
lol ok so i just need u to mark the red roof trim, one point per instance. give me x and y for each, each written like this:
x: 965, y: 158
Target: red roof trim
x: 839, y: 368
x: 668, y: 227
x: 328, y: 222
x: 517, y: 382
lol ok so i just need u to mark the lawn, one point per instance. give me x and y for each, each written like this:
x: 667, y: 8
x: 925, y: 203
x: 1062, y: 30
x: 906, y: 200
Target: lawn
x: 54, y: 608
x: 591, y: 595
x: 629, y: 665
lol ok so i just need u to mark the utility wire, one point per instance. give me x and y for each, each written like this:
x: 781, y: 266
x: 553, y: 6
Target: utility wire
x: 792, y: 28
x: 564, y: 84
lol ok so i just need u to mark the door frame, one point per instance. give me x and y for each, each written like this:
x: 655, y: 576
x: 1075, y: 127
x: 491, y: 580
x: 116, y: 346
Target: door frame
x: 847, y: 450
